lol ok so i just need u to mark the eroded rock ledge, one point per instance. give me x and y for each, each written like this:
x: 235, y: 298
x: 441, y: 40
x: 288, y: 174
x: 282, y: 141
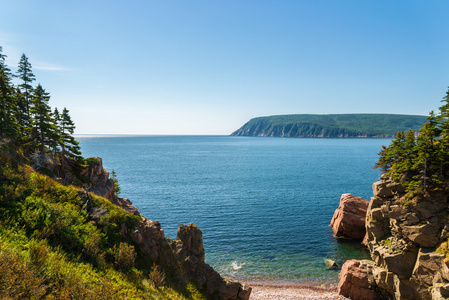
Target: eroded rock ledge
x: 185, y: 254
x: 407, y: 240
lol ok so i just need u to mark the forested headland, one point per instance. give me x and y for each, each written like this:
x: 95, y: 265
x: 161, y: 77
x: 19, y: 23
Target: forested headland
x: 331, y: 126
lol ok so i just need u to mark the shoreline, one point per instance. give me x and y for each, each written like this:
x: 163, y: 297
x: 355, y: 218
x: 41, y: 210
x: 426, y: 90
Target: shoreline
x: 263, y: 290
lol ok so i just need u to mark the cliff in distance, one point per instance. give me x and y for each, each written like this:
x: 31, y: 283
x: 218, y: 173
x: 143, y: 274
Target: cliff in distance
x: 331, y: 126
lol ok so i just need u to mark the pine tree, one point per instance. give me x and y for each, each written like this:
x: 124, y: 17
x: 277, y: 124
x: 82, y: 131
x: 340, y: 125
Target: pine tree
x: 8, y: 107
x: 57, y: 134
x: 117, y: 186
x: 70, y: 149
x: 24, y: 72
x: 444, y: 135
x: 42, y: 130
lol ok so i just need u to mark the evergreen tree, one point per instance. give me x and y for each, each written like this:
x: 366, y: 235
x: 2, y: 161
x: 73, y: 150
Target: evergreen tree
x: 42, y: 130
x: 444, y: 135
x: 8, y: 107
x: 57, y: 134
x: 24, y: 72
x: 117, y: 186
x: 70, y: 149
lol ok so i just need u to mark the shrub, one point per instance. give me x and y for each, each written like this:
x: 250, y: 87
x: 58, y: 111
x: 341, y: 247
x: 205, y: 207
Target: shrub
x: 156, y: 276
x: 124, y: 256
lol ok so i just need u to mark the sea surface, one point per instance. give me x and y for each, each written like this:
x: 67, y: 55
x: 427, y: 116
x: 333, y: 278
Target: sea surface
x: 264, y: 204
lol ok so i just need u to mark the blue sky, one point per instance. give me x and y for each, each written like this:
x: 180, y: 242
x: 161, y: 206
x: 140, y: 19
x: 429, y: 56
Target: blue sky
x: 207, y: 67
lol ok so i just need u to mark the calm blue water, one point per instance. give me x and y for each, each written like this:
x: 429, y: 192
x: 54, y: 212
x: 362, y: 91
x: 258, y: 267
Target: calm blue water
x: 264, y: 204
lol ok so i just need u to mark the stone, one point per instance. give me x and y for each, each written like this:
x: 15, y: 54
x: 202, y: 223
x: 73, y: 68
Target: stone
x: 229, y: 290
x: 400, y: 263
x: 384, y: 279
x: 440, y: 291
x: 331, y: 264
x: 192, y: 237
x: 445, y: 269
x: 406, y: 289
x: 349, y: 218
x: 427, y: 265
x: 380, y: 189
x: 426, y: 235
x: 411, y: 219
x: 101, y: 184
x: 353, y: 282
x: 244, y: 293
x: 398, y: 212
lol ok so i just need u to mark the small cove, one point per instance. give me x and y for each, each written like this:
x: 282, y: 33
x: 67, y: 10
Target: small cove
x: 263, y: 204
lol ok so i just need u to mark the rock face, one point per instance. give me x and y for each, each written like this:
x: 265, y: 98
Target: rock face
x: 189, y: 251
x: 349, y: 217
x: 403, y: 236
x: 354, y: 282
x: 100, y: 184
x: 185, y: 255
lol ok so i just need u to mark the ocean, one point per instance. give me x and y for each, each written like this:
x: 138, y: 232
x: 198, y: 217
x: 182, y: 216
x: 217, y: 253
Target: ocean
x: 264, y: 204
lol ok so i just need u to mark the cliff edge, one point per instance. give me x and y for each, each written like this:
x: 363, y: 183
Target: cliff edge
x: 185, y: 256
x: 407, y: 239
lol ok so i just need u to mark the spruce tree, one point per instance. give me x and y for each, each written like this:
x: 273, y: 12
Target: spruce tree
x: 57, y: 134
x: 42, y: 130
x: 70, y: 149
x: 25, y: 73
x: 8, y: 107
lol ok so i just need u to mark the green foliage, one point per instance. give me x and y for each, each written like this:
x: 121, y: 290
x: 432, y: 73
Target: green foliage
x: 51, y: 246
x: 27, y: 121
x: 91, y: 161
x: 156, y: 276
x: 117, y: 186
x: 334, y: 125
x: 124, y: 256
x: 57, y: 241
x: 420, y: 163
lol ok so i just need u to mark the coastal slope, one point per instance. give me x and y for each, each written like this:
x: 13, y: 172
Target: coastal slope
x: 331, y: 126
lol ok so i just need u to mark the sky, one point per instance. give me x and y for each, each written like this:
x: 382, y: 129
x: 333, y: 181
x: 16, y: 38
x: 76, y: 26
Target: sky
x: 207, y: 67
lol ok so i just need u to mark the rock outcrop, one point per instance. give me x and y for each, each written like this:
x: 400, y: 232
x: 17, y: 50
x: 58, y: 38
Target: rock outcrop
x: 185, y: 254
x: 354, y: 282
x: 100, y: 183
x: 407, y: 239
x: 349, y: 217
x: 189, y: 252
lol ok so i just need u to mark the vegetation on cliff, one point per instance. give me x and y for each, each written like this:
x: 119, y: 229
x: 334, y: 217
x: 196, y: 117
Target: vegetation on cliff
x: 420, y: 162
x: 334, y: 125
x: 407, y: 218
x: 57, y: 240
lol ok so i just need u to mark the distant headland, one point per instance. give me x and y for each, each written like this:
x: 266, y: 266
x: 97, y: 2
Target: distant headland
x: 331, y: 126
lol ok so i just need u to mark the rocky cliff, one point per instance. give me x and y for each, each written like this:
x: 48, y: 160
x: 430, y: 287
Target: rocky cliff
x: 408, y: 242
x: 184, y: 256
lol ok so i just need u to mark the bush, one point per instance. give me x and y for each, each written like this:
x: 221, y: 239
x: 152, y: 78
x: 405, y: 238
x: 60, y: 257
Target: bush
x: 124, y: 256
x: 156, y: 276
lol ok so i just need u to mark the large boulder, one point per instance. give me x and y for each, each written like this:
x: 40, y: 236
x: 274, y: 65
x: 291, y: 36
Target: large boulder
x: 349, y: 217
x: 353, y: 281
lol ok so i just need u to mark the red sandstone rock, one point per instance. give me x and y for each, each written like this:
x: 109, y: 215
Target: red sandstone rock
x: 353, y: 282
x: 349, y: 217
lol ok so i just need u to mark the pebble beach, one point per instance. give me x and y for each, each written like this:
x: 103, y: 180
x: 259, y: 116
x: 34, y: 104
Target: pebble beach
x: 265, y: 291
